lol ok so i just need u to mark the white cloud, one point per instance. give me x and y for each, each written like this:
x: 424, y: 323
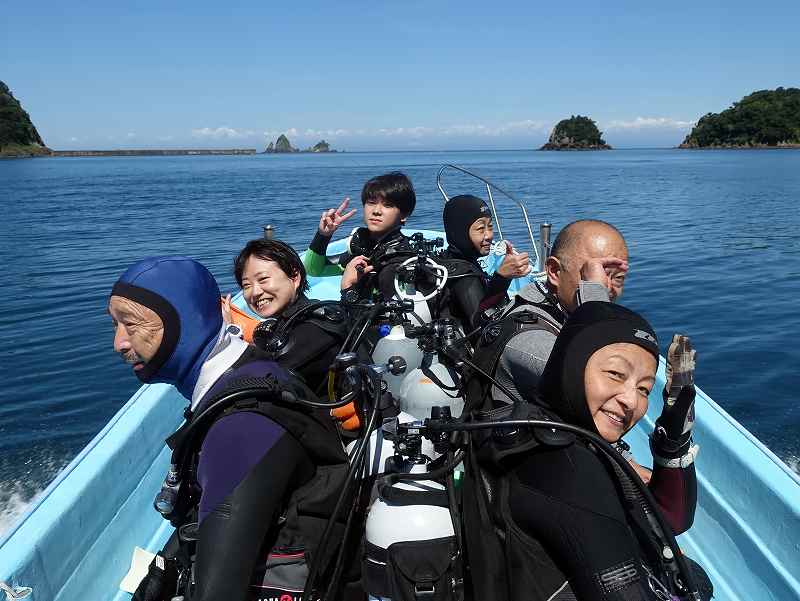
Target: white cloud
x: 415, y: 133
x: 418, y: 132
x: 131, y: 134
x: 649, y: 123
x: 406, y: 132
x: 166, y: 138
x: 222, y: 133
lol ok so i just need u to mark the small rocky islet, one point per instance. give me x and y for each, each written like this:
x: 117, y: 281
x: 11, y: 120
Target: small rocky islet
x: 576, y: 133
x: 283, y: 146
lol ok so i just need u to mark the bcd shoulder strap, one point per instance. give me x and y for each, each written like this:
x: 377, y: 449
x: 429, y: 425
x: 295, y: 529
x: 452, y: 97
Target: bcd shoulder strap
x: 493, y: 340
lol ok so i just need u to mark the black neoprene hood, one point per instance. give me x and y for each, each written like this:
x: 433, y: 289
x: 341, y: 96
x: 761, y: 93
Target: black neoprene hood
x: 589, y: 328
x: 460, y: 212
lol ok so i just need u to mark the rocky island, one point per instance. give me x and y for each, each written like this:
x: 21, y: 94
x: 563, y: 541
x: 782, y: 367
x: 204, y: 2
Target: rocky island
x: 282, y: 145
x: 18, y: 135
x: 576, y: 133
x: 764, y: 119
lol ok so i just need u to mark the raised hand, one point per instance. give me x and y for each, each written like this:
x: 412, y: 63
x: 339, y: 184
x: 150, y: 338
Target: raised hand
x: 226, y: 309
x: 514, y: 265
x: 673, y: 431
x: 609, y: 271
x: 331, y: 219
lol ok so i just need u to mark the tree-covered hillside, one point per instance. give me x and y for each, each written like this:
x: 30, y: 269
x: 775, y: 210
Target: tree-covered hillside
x: 764, y: 118
x: 18, y: 136
x: 576, y: 133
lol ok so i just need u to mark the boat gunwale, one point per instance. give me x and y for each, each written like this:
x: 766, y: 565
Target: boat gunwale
x: 72, y: 465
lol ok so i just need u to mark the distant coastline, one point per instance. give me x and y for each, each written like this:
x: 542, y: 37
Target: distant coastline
x: 152, y: 152
x: 763, y: 119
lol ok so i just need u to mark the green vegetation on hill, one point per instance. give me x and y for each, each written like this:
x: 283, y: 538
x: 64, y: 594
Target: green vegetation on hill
x: 18, y: 136
x: 576, y: 133
x: 764, y: 118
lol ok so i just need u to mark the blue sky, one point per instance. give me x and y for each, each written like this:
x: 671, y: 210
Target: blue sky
x: 393, y: 76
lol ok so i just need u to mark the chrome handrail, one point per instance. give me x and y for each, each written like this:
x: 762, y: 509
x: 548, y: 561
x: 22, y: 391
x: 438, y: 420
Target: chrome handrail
x: 489, y: 186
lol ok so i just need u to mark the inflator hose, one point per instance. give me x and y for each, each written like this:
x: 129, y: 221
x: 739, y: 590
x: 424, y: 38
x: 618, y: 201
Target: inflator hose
x: 356, y: 467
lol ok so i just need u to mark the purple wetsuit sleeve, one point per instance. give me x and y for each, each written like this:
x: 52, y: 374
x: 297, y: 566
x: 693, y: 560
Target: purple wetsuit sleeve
x: 675, y: 491
x: 231, y: 449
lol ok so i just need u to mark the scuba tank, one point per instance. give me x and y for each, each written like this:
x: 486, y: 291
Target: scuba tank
x: 400, y: 354
x: 432, y: 384
x: 422, y: 311
x: 411, y: 549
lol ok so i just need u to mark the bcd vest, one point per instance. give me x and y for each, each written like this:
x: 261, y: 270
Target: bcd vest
x: 444, y: 303
x: 493, y: 340
x: 274, y: 335
x: 389, y: 251
x: 284, y: 568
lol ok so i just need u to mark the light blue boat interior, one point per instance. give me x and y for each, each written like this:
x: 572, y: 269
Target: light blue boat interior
x: 76, y: 541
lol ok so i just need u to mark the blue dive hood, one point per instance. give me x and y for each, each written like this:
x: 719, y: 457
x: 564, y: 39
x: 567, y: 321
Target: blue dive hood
x: 186, y: 297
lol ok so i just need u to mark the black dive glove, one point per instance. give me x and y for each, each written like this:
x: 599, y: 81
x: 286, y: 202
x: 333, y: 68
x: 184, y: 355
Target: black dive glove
x: 672, y: 437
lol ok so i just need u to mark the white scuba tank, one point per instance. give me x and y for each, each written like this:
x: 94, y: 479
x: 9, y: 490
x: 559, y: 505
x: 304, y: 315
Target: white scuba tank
x: 419, y: 393
x: 397, y: 344
x: 389, y: 523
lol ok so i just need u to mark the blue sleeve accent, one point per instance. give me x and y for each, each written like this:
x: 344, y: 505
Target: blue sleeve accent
x: 231, y: 449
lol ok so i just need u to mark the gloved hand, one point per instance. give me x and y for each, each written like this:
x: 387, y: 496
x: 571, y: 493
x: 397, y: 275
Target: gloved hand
x: 673, y: 431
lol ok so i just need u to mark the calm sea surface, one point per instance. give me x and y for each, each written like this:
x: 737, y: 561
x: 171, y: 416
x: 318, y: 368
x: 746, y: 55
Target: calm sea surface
x: 714, y: 240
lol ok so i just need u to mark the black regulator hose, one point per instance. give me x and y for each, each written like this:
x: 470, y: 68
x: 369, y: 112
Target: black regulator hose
x: 356, y: 467
x: 346, y: 345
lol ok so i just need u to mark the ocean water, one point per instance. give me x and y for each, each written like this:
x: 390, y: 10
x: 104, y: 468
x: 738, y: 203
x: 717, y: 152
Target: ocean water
x: 714, y: 240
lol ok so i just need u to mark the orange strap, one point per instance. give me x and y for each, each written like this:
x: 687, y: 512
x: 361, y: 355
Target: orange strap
x: 347, y: 417
x: 244, y: 321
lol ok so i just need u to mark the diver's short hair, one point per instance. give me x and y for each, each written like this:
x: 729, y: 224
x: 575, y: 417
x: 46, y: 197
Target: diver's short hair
x: 568, y: 237
x: 272, y: 250
x: 394, y: 187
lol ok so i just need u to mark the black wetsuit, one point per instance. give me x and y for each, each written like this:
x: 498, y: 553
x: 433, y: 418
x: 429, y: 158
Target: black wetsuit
x: 469, y: 290
x: 569, y: 502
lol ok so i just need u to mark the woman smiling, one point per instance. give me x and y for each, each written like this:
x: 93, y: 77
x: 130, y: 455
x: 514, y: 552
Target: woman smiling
x: 302, y: 336
x: 576, y: 526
